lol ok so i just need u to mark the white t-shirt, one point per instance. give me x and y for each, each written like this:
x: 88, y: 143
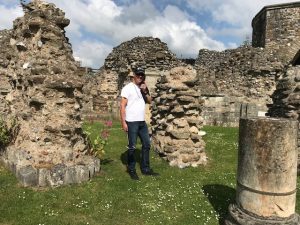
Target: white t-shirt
x: 135, y: 108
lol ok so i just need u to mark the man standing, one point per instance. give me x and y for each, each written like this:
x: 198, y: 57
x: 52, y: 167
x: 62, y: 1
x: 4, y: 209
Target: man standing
x: 135, y: 95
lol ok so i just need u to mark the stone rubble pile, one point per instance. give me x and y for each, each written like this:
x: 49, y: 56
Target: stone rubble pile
x: 286, y: 98
x: 46, y: 97
x: 176, y: 119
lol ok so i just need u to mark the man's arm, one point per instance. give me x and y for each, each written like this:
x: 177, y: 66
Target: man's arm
x: 146, y: 94
x: 147, y: 97
x: 123, y: 113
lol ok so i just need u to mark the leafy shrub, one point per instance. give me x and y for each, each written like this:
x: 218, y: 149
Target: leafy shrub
x: 8, y: 131
x: 98, y: 142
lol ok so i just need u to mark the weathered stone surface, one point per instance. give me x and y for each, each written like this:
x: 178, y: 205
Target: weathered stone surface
x: 286, y: 98
x: 172, y: 134
x: 244, y: 78
x: 235, y: 79
x: 42, y: 88
x: 27, y: 175
x: 239, y: 217
x: 267, y: 170
x: 277, y: 27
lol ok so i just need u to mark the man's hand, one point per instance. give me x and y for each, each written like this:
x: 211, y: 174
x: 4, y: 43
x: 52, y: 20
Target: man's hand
x: 123, y: 113
x: 144, y: 88
x: 124, y: 126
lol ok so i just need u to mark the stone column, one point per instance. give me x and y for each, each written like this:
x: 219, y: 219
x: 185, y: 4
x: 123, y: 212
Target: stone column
x: 267, y: 173
x: 176, y: 119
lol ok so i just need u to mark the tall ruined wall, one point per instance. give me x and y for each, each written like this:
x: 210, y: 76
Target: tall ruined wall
x: 150, y: 53
x: 6, y: 54
x: 277, y: 27
x: 239, y: 82
x: 286, y: 97
x: 176, y: 119
x: 236, y: 81
x: 46, y: 98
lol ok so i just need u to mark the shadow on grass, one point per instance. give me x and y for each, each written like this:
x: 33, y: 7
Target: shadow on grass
x: 137, y: 156
x: 220, y: 197
x: 106, y: 161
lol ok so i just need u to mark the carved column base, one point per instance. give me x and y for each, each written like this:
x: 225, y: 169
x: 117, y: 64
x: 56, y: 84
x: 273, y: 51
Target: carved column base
x: 240, y: 217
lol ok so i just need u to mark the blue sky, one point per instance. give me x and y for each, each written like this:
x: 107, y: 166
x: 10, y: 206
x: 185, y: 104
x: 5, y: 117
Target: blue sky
x: 185, y: 25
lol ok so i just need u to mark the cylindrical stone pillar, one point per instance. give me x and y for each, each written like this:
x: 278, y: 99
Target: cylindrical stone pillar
x: 267, y: 173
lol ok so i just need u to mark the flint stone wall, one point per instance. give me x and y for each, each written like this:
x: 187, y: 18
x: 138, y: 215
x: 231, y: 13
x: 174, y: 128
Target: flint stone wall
x: 45, y: 95
x: 236, y: 82
x: 6, y: 54
x: 277, y: 27
x: 286, y: 97
x: 176, y: 119
x: 150, y: 53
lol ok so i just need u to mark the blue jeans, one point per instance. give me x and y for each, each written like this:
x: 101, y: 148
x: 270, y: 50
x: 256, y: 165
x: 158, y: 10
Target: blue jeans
x: 138, y: 129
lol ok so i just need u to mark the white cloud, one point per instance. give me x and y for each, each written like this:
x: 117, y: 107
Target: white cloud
x: 109, y: 24
x: 184, y: 37
x: 90, y: 15
x: 115, y: 24
x: 236, y: 14
x: 8, y: 15
x: 138, y: 11
x: 91, y: 53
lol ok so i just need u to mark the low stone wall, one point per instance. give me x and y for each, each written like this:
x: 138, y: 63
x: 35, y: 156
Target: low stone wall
x: 52, y: 174
x: 225, y: 110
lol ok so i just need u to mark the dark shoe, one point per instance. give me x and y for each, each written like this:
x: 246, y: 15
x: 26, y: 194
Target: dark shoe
x: 133, y: 175
x: 150, y: 173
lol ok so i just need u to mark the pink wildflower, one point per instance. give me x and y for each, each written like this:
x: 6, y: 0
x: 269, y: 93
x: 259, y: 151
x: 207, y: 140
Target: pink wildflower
x: 108, y: 123
x: 104, y: 134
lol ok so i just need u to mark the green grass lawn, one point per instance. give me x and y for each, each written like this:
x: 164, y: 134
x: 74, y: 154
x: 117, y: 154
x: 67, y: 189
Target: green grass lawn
x: 177, y: 197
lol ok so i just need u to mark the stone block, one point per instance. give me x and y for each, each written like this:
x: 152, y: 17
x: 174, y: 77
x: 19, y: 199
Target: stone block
x: 70, y: 176
x: 57, y: 174
x: 27, y: 175
x: 43, y: 177
x: 82, y: 173
x: 180, y: 135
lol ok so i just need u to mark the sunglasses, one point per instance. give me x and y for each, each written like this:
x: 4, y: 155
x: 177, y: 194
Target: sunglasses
x: 140, y: 76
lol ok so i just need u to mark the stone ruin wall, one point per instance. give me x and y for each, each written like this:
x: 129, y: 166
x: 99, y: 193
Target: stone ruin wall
x: 233, y: 82
x: 277, y: 27
x: 176, y: 119
x: 148, y: 52
x: 39, y: 75
x: 6, y: 54
x: 44, y: 92
x: 239, y: 82
x: 286, y: 97
x: 236, y: 82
